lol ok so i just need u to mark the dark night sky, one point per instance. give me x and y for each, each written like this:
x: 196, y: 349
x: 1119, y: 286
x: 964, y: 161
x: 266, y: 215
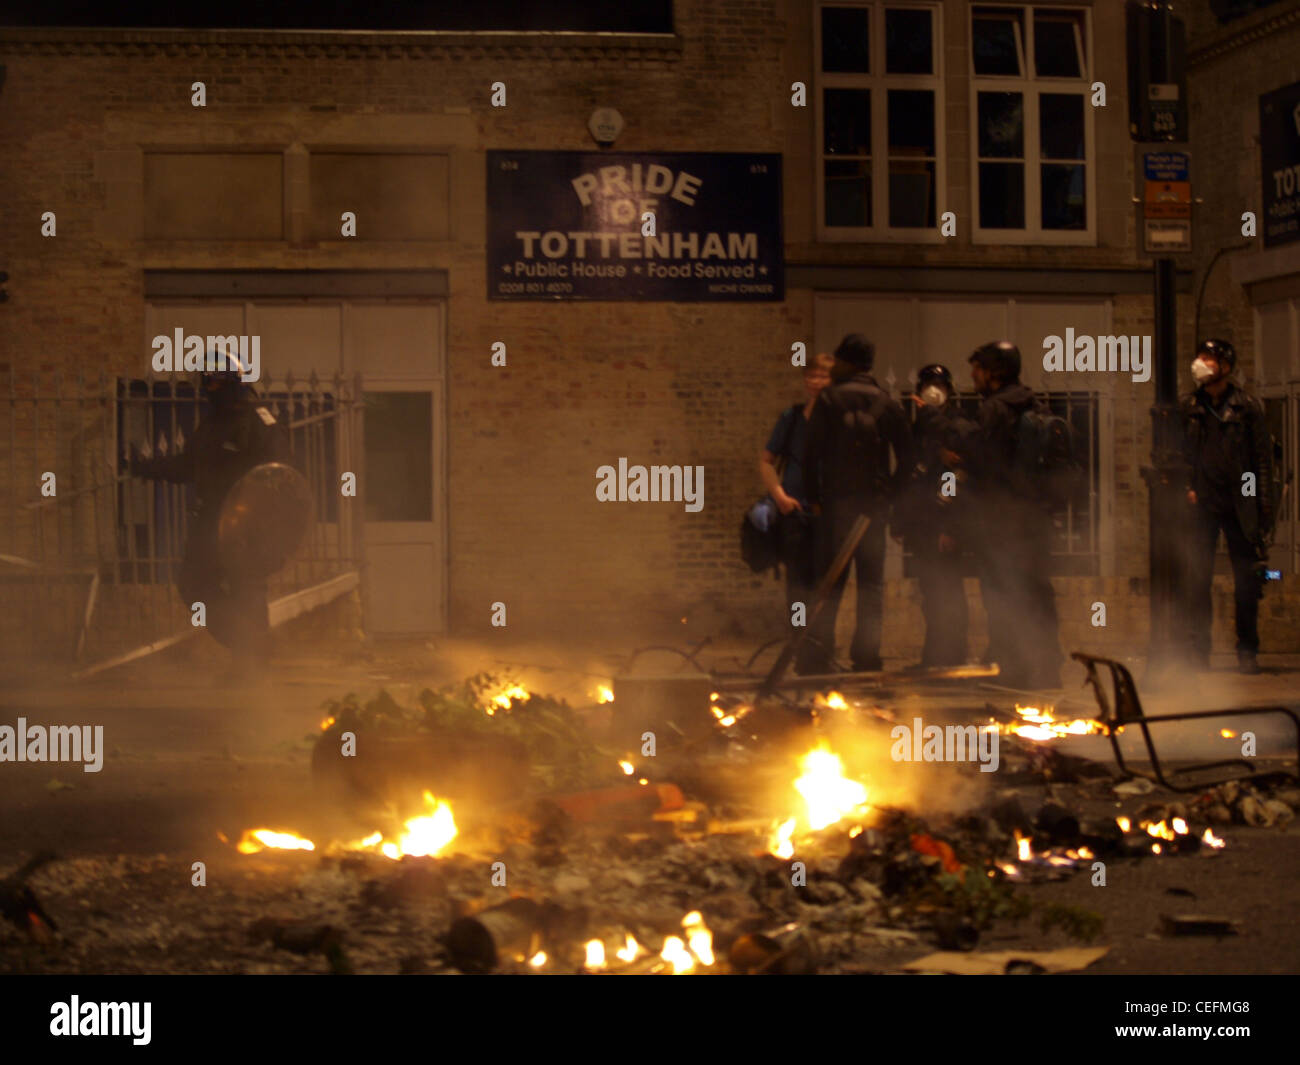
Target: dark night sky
x: 644, y: 16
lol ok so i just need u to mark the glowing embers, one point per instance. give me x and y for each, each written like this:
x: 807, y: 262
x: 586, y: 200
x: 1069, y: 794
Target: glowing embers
x: 1039, y: 723
x: 423, y: 835
x: 727, y: 710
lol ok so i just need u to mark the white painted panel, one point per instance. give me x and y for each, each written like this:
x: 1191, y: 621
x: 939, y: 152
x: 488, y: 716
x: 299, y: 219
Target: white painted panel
x: 1033, y: 321
x: 395, y: 341
x: 950, y: 329
x: 1277, y: 356
x: 297, y: 337
x: 401, y: 587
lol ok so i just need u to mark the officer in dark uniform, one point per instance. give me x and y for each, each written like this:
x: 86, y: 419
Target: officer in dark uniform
x: 237, y: 434
x: 1014, y: 529
x: 934, y: 515
x: 854, y: 427
x: 1226, y: 439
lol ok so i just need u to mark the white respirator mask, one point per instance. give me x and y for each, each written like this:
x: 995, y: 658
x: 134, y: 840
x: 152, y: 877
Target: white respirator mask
x: 933, y: 396
x: 1202, y: 371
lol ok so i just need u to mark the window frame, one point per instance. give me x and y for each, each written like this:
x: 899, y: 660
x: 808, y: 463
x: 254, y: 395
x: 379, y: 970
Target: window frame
x: 1030, y: 87
x: 880, y: 83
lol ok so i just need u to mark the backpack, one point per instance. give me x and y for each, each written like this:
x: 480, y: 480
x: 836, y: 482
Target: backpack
x: 760, y: 539
x: 1047, y: 463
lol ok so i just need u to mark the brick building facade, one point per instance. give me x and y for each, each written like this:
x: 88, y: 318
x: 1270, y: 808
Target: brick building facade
x: 223, y: 218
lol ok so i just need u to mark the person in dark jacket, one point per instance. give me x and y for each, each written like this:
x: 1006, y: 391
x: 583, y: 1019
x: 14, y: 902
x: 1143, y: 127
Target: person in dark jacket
x: 935, y: 514
x: 1225, y: 440
x: 237, y: 435
x: 786, y: 487
x: 854, y: 428
x: 1014, y: 529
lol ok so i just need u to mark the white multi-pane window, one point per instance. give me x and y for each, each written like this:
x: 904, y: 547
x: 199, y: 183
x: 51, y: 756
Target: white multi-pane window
x: 879, y: 121
x: 1033, y: 154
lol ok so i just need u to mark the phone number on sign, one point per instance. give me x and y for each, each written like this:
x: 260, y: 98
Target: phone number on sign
x: 534, y: 288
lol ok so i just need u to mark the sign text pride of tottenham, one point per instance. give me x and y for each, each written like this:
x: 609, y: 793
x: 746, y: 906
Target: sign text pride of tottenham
x: 672, y: 226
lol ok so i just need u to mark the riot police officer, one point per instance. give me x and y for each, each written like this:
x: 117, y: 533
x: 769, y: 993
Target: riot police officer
x: 1230, y: 489
x: 238, y: 434
x: 933, y: 515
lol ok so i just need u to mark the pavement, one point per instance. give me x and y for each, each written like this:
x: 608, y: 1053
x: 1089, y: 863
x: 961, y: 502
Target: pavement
x: 188, y: 757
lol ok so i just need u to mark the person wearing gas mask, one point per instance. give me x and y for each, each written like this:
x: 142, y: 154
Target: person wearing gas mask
x: 1225, y: 438
x: 933, y: 514
x: 237, y: 434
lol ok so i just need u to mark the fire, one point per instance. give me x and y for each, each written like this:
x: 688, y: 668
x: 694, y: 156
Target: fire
x: 326, y: 724
x: 781, y: 844
x: 1041, y: 724
x: 502, y: 700
x: 604, y: 694
x: 1227, y: 733
x: 1124, y: 823
x: 1211, y: 840
x: 629, y: 951
x: 1180, y: 826
x: 538, y: 959
x: 676, y: 954
x: 1155, y: 848
x: 834, y: 700
x: 258, y: 839
x: 1161, y: 831
x: 426, y: 835
x: 595, y: 954
x: 627, y: 767
x: 1023, y: 853
x: 827, y: 793
x: 698, y: 937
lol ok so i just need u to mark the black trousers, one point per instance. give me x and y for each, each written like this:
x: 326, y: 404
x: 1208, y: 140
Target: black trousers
x: 235, y: 608
x: 1203, y: 540
x: 868, y: 562
x: 798, y: 553
x: 1014, y: 549
x: 943, y: 602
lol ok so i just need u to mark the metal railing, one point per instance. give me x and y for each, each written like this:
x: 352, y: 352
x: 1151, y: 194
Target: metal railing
x: 89, y: 553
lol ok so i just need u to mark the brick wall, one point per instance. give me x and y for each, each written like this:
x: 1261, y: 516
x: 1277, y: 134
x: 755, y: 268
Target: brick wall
x: 586, y: 383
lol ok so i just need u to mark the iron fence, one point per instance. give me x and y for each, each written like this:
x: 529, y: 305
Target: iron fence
x: 89, y: 553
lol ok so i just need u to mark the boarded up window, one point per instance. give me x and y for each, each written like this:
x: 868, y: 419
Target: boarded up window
x: 213, y: 196
x: 394, y: 197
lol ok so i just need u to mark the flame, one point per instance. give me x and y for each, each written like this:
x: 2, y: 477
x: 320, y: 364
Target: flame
x: 595, y: 954
x: 538, y: 959
x: 1023, y: 853
x: 1227, y: 733
x: 1160, y: 830
x: 502, y: 700
x: 834, y: 700
x: 629, y: 951
x: 604, y: 694
x: 827, y: 793
x: 627, y: 767
x: 326, y: 724
x: 258, y: 839
x: 643, y: 782
x: 1211, y: 840
x: 1124, y: 823
x: 1008, y: 868
x: 677, y: 955
x: 781, y: 844
x: 698, y: 937
x: 426, y: 835
x: 1040, y: 724
x: 714, y: 697
x: 1180, y: 826
x: 1155, y: 848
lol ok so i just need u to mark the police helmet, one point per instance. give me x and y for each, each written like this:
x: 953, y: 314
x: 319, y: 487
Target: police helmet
x: 222, y: 383
x: 935, y: 373
x: 1221, y: 351
x: 1000, y: 358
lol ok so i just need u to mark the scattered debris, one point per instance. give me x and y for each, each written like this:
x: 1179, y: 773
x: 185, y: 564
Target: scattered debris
x: 1008, y: 962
